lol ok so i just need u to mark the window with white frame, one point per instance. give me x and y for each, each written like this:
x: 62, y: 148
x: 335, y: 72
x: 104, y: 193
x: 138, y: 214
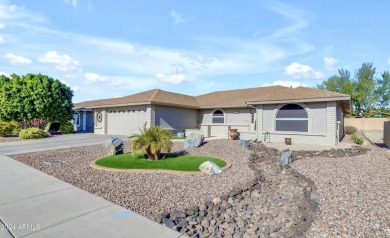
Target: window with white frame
x: 292, y: 117
x: 218, y: 117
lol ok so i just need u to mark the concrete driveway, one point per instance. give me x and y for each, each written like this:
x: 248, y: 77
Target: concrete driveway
x: 34, y: 204
x: 53, y: 143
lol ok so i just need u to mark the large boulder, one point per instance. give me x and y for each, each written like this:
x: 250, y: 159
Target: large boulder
x: 115, y: 146
x: 285, y: 158
x: 193, y: 141
x: 210, y: 168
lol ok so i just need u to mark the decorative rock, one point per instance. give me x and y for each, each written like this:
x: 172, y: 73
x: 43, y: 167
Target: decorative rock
x: 285, y: 158
x: 191, y: 211
x: 182, y: 222
x: 205, y: 223
x: 168, y: 223
x: 217, y: 200
x: 193, y: 141
x: 54, y: 127
x: 115, y: 146
x: 177, y: 214
x: 245, y: 143
x: 210, y: 168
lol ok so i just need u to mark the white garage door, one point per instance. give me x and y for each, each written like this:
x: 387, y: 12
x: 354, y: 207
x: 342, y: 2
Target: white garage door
x: 125, y: 121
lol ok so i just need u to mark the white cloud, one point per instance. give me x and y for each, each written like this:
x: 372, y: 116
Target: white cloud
x: 5, y: 74
x: 98, y: 80
x: 17, y: 60
x: 177, y: 76
x: 330, y: 63
x: 286, y: 84
x: 301, y: 71
x: 14, y: 12
x: 1, y: 39
x: 75, y: 89
x: 177, y: 19
x: 171, y: 78
x: 2, y: 25
x: 296, y: 17
x: 71, y: 2
x: 94, y: 78
x: 60, y: 62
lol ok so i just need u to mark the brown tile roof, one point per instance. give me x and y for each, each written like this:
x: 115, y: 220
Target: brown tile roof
x: 263, y: 94
x: 152, y: 96
x: 229, y: 98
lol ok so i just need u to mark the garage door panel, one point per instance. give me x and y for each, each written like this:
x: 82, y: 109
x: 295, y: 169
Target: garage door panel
x: 125, y: 121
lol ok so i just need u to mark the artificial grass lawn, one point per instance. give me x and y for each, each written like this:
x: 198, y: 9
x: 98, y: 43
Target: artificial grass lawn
x: 170, y: 162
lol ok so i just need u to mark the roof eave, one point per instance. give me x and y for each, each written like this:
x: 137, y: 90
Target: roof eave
x: 140, y: 103
x: 343, y: 98
x: 213, y: 107
x: 119, y: 105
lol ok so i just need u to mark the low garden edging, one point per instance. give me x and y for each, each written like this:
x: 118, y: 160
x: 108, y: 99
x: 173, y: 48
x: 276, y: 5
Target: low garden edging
x: 276, y: 203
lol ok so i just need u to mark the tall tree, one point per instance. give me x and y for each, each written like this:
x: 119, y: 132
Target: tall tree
x: 362, y: 87
x: 34, y: 96
x: 341, y: 83
x: 365, y: 95
x: 383, y: 91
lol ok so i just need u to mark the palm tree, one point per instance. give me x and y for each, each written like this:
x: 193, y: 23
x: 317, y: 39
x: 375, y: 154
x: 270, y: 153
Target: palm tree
x: 152, y: 140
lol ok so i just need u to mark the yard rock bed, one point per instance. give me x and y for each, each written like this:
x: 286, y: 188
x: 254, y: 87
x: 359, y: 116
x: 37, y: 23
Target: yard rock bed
x: 336, y: 153
x: 148, y: 194
x: 353, y: 193
x: 278, y: 202
x: 9, y: 139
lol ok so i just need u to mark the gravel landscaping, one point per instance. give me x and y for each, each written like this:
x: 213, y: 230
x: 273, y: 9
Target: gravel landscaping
x: 276, y: 203
x: 354, y: 194
x: 146, y: 194
x: 254, y: 198
x: 9, y: 139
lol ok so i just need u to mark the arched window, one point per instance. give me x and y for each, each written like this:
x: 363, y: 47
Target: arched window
x: 218, y: 117
x: 292, y: 117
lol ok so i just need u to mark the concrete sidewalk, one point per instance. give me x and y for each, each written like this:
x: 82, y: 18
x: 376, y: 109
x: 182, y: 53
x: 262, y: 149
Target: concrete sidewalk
x: 54, y: 143
x: 34, y: 204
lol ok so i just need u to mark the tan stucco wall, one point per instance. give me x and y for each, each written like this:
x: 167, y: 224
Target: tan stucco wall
x: 175, y: 118
x: 322, y: 124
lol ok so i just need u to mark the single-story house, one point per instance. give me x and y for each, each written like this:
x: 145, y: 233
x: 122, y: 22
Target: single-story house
x: 269, y: 114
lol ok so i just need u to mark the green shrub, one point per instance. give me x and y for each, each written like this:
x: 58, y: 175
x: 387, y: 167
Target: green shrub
x: 9, y: 128
x: 358, y: 140
x: 32, y: 133
x: 47, y: 127
x: 66, y: 128
x: 349, y: 130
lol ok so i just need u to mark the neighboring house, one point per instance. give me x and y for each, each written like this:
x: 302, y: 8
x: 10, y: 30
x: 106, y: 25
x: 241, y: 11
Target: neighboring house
x: 272, y: 113
x: 83, y: 120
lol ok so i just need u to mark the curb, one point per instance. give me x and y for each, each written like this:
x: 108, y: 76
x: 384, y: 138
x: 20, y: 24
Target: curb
x: 93, y: 165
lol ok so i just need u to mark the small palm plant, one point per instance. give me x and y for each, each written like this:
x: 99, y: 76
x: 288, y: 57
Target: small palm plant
x: 152, y: 140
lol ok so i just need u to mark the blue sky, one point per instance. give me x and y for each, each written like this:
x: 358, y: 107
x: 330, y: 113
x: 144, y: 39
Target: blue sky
x: 105, y: 49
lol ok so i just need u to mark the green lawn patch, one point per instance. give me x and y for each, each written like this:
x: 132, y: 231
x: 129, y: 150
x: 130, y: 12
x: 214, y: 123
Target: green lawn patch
x: 178, y: 138
x: 170, y: 162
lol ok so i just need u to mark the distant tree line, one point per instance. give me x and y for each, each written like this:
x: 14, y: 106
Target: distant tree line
x: 34, y: 97
x: 370, y: 92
